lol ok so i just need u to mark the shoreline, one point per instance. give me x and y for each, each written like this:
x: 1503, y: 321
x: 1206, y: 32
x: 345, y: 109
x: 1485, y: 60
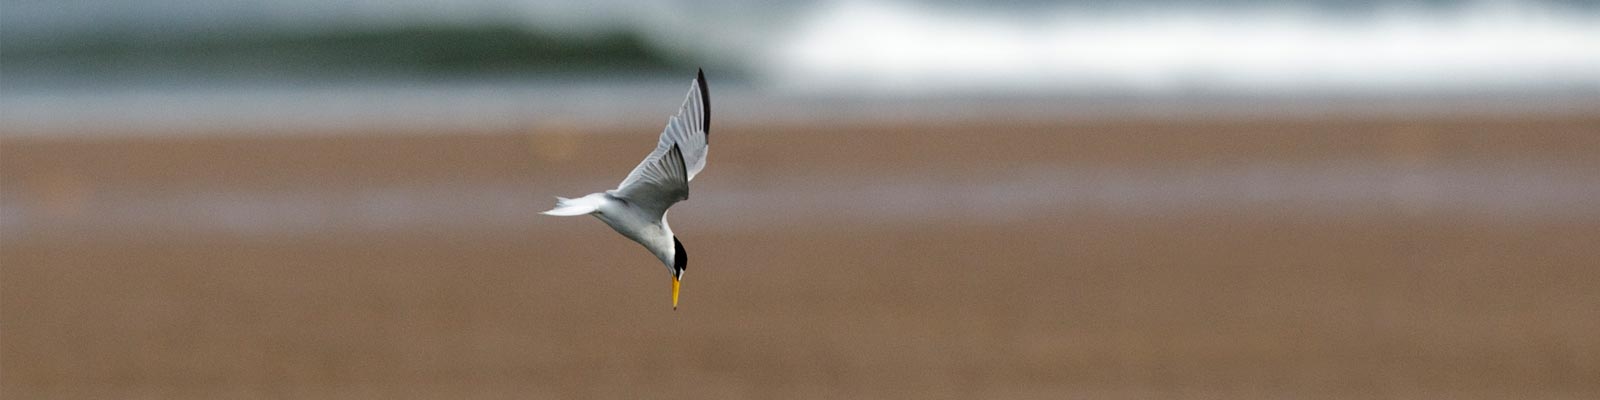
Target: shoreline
x: 490, y: 106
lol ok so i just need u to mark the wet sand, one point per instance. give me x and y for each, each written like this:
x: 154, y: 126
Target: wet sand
x: 1314, y: 257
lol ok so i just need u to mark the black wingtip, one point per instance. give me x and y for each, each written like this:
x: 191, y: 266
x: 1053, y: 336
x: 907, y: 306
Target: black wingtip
x: 705, y: 102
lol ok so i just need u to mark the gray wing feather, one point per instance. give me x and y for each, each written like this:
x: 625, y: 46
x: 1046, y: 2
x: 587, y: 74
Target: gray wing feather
x: 689, y: 129
x: 661, y: 181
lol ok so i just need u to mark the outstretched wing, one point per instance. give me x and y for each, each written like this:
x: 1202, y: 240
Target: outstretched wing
x: 659, y: 182
x: 689, y: 130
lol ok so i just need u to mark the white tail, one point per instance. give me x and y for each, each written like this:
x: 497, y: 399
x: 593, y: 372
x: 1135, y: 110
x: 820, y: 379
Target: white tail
x: 566, y: 207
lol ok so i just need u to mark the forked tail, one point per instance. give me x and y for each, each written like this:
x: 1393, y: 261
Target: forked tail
x: 566, y: 207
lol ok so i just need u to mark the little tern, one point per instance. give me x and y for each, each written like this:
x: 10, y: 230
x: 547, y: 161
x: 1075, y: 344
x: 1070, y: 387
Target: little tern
x: 637, y: 208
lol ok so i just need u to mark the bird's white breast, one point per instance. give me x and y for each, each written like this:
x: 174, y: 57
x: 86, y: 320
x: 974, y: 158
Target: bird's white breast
x: 638, y: 225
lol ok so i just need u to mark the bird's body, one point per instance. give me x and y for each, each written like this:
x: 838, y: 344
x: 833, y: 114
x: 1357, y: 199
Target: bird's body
x: 644, y: 226
x: 637, y: 208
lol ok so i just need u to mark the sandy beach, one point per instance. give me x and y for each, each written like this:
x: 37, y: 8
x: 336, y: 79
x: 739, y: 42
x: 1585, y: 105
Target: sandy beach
x: 1237, y: 258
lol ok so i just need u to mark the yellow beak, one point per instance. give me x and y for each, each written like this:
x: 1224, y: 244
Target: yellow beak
x: 674, y: 293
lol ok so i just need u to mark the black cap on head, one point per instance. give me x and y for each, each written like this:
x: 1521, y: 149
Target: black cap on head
x: 680, y: 258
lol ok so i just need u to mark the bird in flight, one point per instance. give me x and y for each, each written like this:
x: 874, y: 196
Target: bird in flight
x: 637, y: 208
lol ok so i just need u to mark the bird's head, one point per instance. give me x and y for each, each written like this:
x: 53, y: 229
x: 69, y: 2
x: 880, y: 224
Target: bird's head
x: 680, y: 262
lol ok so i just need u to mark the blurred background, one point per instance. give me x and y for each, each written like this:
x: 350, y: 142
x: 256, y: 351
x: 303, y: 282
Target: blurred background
x: 906, y: 199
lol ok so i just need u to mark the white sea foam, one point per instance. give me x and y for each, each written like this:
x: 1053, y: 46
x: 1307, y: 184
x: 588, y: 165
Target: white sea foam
x: 905, y: 48
x: 844, y: 60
